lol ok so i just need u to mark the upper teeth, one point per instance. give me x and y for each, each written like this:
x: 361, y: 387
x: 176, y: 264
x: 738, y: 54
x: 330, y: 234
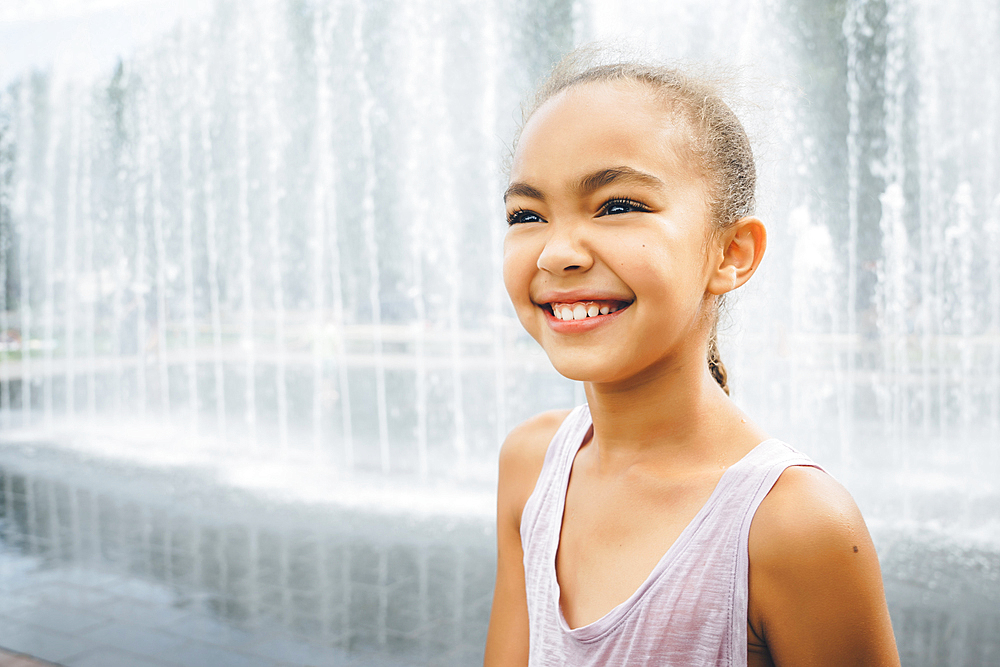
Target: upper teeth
x: 581, y: 310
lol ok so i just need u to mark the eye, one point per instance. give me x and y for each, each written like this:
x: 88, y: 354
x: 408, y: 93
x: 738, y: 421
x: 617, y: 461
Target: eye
x: 621, y: 205
x: 521, y: 215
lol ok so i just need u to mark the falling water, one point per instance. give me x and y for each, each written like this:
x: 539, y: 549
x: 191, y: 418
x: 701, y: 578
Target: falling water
x: 282, y: 225
x: 452, y: 252
x: 324, y: 177
x: 993, y: 369
x: 156, y: 195
x: 187, y: 234
x: 211, y: 238
x: 48, y: 213
x: 140, y: 285
x: 118, y: 274
x: 368, y: 225
x: 959, y: 239
x: 325, y: 211
x: 415, y: 191
x: 248, y: 341
x: 72, y: 188
x: 498, y: 297
x: 92, y: 283
x: 21, y: 220
x: 853, y: 26
x: 893, y: 292
x: 274, y: 195
x: 6, y: 145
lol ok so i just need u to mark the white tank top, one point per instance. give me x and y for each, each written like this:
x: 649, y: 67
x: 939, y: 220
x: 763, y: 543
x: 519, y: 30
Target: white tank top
x: 692, y: 609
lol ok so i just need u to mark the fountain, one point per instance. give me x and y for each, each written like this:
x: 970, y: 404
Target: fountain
x: 265, y: 250
x: 231, y: 264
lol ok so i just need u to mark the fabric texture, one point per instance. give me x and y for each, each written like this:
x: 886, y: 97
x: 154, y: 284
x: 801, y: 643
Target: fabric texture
x: 692, y: 609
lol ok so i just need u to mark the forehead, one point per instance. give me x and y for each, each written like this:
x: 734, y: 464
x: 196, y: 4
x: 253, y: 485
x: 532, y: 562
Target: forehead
x: 595, y: 125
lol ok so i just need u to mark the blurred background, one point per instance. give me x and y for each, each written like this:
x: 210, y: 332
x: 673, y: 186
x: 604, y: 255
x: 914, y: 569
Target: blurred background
x: 256, y: 359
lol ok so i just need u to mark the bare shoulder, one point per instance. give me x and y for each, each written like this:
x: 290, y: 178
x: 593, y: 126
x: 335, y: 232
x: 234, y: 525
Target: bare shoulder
x: 816, y: 594
x: 807, y: 511
x: 521, y: 459
x: 530, y: 439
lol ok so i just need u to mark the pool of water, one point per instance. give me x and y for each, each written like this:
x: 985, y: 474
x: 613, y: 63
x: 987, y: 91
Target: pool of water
x: 104, y: 562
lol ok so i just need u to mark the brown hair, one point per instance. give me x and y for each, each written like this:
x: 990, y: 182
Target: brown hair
x: 717, y: 141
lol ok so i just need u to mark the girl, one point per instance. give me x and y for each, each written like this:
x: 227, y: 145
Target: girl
x: 657, y: 524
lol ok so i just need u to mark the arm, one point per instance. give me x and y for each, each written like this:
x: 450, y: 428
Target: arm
x: 816, y: 596
x: 521, y: 459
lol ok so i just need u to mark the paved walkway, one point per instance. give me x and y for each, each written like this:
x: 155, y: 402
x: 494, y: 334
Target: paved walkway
x: 8, y: 659
x: 106, y: 565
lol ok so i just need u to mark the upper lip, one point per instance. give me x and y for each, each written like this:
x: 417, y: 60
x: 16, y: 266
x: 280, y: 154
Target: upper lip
x: 577, y: 295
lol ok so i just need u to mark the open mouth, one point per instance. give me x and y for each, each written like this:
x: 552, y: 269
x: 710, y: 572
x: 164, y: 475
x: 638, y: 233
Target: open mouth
x: 581, y: 310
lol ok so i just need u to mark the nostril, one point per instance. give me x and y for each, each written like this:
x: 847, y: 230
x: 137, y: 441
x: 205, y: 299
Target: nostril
x: 562, y: 254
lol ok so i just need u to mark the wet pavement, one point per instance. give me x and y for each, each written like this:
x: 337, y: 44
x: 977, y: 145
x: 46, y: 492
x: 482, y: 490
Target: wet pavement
x: 8, y: 659
x: 106, y: 564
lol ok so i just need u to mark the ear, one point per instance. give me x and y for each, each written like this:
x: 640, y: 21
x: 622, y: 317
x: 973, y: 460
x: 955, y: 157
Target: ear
x: 738, y: 253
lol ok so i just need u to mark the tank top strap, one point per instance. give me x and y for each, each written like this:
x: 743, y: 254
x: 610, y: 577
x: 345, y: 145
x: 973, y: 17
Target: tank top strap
x: 729, y: 514
x: 750, y: 479
x: 555, y: 470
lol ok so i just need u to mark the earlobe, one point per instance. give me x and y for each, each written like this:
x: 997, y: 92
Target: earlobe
x: 741, y: 248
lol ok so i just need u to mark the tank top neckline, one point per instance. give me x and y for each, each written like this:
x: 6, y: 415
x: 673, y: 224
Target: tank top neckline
x: 597, y: 629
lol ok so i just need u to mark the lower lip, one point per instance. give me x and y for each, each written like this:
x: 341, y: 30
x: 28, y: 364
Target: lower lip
x: 580, y: 326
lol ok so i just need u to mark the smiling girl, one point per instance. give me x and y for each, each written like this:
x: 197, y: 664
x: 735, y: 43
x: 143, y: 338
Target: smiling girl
x: 657, y: 524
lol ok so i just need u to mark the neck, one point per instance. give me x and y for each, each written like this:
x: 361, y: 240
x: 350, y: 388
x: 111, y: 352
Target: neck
x: 681, y: 414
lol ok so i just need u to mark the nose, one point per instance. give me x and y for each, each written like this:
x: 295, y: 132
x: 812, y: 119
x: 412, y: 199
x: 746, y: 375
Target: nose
x: 564, y: 251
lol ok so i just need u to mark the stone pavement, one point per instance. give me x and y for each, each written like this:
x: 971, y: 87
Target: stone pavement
x: 81, y: 619
x: 8, y: 659
x: 129, y: 568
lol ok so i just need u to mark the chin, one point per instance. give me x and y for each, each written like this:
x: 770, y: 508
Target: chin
x: 584, y: 368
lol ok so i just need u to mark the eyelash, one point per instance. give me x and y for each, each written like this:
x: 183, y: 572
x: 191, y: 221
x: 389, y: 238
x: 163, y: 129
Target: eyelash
x: 518, y: 216
x: 623, y: 201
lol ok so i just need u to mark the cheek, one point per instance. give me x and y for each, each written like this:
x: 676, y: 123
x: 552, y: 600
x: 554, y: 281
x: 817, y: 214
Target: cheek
x: 661, y: 269
x: 637, y: 259
x: 516, y: 269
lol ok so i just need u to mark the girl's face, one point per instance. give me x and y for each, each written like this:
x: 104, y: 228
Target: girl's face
x: 609, y: 250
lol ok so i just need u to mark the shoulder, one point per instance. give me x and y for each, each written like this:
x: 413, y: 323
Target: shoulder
x: 806, y: 514
x: 806, y: 525
x: 530, y: 439
x: 816, y: 594
x: 521, y: 459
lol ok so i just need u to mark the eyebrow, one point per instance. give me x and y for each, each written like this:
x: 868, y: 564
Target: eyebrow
x: 523, y: 190
x: 599, y: 179
x: 591, y: 182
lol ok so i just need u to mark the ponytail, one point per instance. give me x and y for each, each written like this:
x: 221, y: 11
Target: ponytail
x: 715, y: 364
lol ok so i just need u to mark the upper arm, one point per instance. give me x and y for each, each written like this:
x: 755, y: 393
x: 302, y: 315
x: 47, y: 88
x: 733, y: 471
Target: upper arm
x: 816, y: 592
x: 521, y: 459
